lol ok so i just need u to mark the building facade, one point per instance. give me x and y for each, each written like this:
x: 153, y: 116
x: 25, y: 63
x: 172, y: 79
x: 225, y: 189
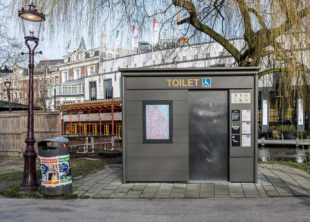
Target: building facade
x: 90, y: 75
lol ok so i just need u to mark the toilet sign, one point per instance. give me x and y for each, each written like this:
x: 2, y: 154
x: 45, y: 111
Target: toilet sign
x: 206, y: 82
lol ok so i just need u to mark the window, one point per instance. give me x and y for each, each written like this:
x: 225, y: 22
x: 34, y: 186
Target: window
x: 92, y: 90
x: 90, y: 70
x: 157, y: 121
x: 82, y: 56
x: 77, y: 73
x: 108, y: 89
x: 184, y: 58
x: 65, y: 77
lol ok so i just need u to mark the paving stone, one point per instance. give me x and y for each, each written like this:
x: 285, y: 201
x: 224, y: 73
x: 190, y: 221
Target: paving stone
x: 177, y: 195
x: 127, y: 185
x: 102, y: 182
x: 111, y: 187
x: 305, y: 184
x: 286, y: 194
x: 150, y: 190
x: 139, y: 184
x: 105, y: 192
x: 100, y: 185
x: 138, y: 187
x: 299, y: 191
x: 122, y: 189
x: 250, y: 190
x: 153, y: 185
x: 148, y: 195
x: 102, y: 195
x: 273, y: 181
x: 134, y: 192
x: 83, y: 188
x: 193, y: 187
x: 117, y: 195
x: 221, y: 190
x: 179, y: 186
x: 178, y: 190
x: 79, y: 193
x: 164, y: 189
x: 270, y: 191
x: 116, y: 183
x: 166, y: 186
x: 261, y: 190
x: 207, y: 188
x: 235, y: 190
x: 89, y: 194
x: 93, y: 190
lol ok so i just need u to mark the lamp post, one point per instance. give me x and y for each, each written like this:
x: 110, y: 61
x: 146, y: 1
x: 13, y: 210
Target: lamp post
x: 31, y: 23
x: 7, y: 85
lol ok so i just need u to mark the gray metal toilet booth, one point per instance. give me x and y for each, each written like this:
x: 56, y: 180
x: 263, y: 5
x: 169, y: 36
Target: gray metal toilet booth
x: 190, y: 125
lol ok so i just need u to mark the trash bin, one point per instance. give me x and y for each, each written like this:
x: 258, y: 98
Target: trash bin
x: 55, y: 166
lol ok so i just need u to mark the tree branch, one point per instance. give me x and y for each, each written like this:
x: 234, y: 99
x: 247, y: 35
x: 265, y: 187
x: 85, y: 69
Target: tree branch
x: 259, y: 18
x: 276, y: 32
x: 270, y: 71
x: 244, y: 10
x: 195, y: 22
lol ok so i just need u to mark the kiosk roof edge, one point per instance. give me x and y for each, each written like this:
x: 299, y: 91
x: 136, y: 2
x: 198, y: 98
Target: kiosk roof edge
x: 190, y: 71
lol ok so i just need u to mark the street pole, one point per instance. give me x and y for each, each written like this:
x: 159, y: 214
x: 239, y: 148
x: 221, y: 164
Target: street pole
x: 7, y: 85
x: 31, y: 25
x: 54, y: 99
x: 29, y: 182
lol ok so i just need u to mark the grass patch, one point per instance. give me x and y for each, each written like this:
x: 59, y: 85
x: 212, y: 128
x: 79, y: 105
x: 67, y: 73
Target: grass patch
x: 70, y: 196
x: 80, y: 167
x: 302, y: 166
x: 16, y: 175
x: 14, y: 191
x: 83, y: 166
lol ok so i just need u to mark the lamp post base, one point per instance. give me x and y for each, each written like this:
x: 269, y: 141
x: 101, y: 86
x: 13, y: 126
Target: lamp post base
x: 29, y: 182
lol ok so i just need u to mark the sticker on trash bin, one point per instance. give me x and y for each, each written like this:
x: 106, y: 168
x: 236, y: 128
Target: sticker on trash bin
x: 55, y: 170
x: 64, y: 169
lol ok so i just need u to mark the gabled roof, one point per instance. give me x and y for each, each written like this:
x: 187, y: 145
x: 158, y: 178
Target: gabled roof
x: 82, y: 46
x: 50, y: 62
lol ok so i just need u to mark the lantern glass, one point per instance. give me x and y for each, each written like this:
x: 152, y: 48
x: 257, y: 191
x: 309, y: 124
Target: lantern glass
x: 31, y: 21
x: 31, y: 28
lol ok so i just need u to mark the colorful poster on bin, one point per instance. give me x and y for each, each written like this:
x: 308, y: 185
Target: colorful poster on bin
x: 55, y: 171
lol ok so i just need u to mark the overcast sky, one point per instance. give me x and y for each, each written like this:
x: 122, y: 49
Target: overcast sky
x: 68, y: 40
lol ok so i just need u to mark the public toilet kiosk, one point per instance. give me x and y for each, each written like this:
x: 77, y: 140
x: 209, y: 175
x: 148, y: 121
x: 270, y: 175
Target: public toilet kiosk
x: 190, y: 125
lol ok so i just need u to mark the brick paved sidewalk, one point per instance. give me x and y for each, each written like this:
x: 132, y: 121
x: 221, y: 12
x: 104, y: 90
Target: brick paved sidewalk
x: 274, y: 181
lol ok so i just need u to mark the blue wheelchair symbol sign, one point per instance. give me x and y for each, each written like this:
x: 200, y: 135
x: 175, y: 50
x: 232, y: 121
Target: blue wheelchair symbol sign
x: 206, y: 82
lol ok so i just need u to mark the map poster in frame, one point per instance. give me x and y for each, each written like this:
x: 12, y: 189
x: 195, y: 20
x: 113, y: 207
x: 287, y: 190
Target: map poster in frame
x: 157, y: 121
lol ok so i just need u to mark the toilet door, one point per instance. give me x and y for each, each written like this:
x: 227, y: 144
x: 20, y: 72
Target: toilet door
x: 208, y: 135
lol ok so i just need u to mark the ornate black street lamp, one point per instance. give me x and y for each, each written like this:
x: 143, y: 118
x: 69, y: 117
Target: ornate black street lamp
x: 31, y: 21
x: 8, y: 88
